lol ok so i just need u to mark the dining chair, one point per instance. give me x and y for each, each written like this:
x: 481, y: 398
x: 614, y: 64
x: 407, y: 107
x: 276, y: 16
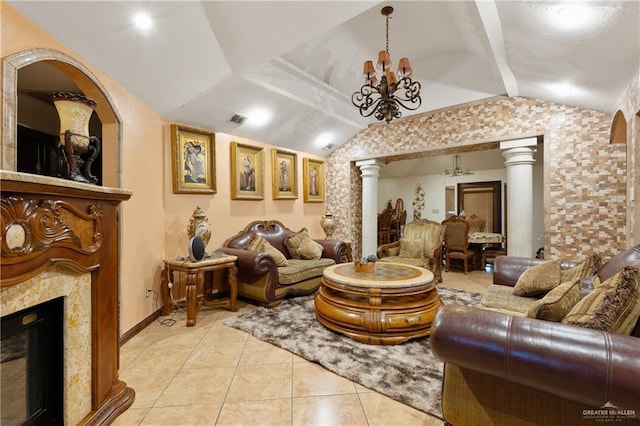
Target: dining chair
x: 476, y: 223
x: 384, y: 227
x: 456, y: 242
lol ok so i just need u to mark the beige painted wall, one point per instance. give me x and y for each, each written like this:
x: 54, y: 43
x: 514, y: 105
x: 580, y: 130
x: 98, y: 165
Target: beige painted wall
x: 154, y: 220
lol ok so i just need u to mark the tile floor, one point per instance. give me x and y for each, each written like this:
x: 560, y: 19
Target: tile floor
x: 212, y: 374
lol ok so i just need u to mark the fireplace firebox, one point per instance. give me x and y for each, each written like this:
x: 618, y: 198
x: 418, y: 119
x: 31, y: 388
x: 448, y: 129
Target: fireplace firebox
x: 31, y: 354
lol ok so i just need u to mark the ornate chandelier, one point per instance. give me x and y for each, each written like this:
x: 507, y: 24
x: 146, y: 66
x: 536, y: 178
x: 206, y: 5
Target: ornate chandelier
x: 384, y: 100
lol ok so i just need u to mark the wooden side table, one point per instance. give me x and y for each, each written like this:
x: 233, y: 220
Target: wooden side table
x: 192, y: 269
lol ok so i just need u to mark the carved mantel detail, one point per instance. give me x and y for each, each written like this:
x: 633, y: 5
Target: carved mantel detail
x: 35, y: 225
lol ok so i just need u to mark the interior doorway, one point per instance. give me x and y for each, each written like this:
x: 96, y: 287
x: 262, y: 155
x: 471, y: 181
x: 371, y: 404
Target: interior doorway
x: 483, y: 199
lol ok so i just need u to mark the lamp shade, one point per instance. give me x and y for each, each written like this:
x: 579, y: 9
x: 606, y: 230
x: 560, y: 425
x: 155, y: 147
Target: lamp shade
x: 368, y: 70
x: 391, y: 76
x: 404, y: 68
x: 384, y: 60
x: 75, y: 112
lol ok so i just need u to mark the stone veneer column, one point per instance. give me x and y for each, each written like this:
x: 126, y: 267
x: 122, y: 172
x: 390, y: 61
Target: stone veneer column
x: 370, y: 170
x: 519, y: 162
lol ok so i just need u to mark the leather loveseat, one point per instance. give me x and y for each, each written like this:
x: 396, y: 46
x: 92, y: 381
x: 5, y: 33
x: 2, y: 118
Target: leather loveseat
x: 502, y: 369
x: 259, y: 276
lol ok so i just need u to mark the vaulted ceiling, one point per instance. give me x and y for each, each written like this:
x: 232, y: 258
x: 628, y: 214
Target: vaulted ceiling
x: 298, y: 62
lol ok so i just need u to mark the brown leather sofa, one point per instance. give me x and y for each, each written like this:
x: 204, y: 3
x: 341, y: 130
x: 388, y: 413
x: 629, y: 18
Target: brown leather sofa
x: 502, y: 369
x: 259, y: 277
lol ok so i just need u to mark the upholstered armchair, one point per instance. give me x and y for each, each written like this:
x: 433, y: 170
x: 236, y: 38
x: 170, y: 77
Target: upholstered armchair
x: 428, y: 236
x: 476, y: 223
x: 456, y: 242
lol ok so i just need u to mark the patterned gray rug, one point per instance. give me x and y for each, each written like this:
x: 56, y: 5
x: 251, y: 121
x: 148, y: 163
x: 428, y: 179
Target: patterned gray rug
x: 408, y: 373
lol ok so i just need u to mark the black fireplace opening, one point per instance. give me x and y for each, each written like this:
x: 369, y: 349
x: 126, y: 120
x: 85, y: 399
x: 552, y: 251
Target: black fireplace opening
x: 32, y: 365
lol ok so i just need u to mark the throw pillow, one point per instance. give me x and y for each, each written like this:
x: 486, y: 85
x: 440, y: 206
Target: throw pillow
x: 411, y: 248
x: 293, y: 242
x: 612, y: 306
x: 255, y: 243
x: 309, y: 249
x: 587, y: 268
x: 557, y: 303
x: 538, y: 279
x: 258, y: 243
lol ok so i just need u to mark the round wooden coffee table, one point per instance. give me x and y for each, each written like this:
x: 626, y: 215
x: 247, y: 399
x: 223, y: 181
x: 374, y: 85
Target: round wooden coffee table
x: 391, y: 305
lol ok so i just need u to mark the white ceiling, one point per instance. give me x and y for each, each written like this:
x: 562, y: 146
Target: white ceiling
x: 204, y: 61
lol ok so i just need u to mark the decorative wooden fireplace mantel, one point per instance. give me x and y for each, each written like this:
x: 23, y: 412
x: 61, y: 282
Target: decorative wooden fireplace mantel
x: 47, y: 221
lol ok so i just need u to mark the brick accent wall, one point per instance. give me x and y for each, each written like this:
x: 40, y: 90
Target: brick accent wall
x: 585, y: 182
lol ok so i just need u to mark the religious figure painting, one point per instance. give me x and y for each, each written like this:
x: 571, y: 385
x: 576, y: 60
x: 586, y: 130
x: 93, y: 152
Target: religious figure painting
x: 193, y: 155
x: 247, y: 172
x: 284, y: 175
x: 313, y: 182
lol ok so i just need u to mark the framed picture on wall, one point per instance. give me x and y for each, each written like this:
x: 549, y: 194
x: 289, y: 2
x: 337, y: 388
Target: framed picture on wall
x: 313, y: 180
x: 193, y: 153
x: 284, y: 175
x: 247, y: 172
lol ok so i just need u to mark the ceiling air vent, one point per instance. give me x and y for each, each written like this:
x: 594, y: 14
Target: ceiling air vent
x: 237, y: 118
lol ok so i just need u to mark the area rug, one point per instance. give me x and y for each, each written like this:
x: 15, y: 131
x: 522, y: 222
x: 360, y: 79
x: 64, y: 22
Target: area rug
x: 408, y: 372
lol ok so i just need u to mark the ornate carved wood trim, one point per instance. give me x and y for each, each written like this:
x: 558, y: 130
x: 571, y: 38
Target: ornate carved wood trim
x: 45, y: 221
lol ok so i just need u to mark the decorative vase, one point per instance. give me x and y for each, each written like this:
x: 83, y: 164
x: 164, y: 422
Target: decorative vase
x: 199, y: 226
x: 80, y: 149
x: 328, y: 225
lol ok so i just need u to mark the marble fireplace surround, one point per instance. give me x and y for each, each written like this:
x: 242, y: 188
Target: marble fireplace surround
x: 60, y: 238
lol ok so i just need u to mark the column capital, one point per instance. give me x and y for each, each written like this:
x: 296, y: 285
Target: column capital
x: 369, y: 168
x: 519, y: 155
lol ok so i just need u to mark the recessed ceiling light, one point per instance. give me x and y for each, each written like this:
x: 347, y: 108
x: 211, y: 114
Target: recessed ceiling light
x: 142, y: 21
x: 572, y: 16
x: 258, y: 117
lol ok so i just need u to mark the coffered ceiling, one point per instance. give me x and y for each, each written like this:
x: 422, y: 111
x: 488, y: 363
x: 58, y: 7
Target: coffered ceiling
x: 298, y: 62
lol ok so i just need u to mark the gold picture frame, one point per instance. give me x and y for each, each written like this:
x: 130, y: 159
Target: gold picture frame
x: 194, y: 160
x: 284, y: 175
x: 313, y: 180
x: 247, y: 172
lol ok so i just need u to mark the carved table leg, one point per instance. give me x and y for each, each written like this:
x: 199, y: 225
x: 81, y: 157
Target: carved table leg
x: 233, y: 287
x: 192, y: 307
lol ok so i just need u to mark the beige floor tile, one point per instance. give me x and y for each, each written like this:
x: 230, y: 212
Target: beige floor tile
x: 257, y: 382
x: 222, y: 353
x: 312, y: 380
x: 379, y: 409
x: 276, y: 412
x: 188, y: 415
x: 258, y: 352
x: 148, y: 384
x: 197, y: 386
x: 161, y: 358
x: 128, y: 353
x: 328, y: 410
x: 131, y: 417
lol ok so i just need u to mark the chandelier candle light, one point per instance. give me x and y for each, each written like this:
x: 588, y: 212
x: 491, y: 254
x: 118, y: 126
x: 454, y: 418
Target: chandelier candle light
x: 384, y: 100
x: 457, y: 168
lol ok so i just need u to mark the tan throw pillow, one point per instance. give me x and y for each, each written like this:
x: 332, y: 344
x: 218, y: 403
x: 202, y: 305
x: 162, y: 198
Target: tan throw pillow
x: 258, y: 243
x: 613, y: 306
x: 411, y: 248
x: 277, y: 255
x: 255, y: 243
x: 293, y: 242
x: 309, y: 249
x: 538, y: 279
x: 557, y: 303
x: 587, y: 268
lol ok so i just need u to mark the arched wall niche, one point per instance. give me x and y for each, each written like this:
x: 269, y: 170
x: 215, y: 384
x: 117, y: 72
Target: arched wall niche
x: 87, y: 82
x: 618, y: 128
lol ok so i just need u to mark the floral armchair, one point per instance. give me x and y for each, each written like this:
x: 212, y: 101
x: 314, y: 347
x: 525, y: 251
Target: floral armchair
x: 421, y: 245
